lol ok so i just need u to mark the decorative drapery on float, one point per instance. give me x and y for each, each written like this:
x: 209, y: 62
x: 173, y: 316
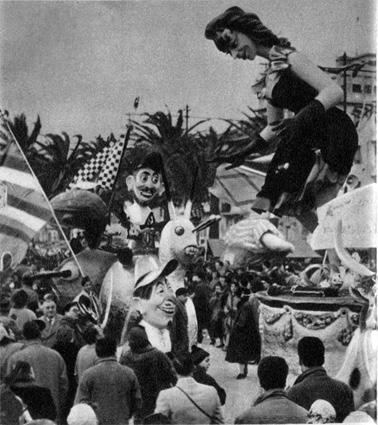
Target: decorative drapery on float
x: 285, y: 319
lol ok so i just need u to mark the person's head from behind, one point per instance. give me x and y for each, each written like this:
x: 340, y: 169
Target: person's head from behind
x: 272, y: 372
x: 310, y: 352
x: 183, y: 364
x: 125, y: 256
x: 27, y: 279
x: 32, y: 329
x: 106, y: 347
x: 90, y: 335
x: 21, y: 372
x: 64, y: 335
x: 20, y: 299
x: 137, y: 339
x: 82, y: 414
x: 241, y: 34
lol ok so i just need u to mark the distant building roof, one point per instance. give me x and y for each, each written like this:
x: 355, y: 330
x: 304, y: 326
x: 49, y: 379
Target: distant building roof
x: 238, y: 186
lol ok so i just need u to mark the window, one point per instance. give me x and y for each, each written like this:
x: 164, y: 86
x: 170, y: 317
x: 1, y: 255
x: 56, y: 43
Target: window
x: 356, y: 88
x: 367, y: 89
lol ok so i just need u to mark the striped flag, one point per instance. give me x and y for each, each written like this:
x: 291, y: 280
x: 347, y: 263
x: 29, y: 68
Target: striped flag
x: 102, y: 169
x: 24, y: 209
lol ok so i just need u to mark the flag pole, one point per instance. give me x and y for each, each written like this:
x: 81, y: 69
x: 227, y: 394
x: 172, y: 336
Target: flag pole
x: 2, y: 117
x: 127, y: 138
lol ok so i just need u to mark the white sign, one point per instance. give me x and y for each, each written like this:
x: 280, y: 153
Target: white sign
x: 358, y: 211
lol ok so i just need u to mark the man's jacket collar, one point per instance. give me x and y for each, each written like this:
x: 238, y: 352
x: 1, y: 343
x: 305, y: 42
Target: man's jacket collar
x: 318, y: 370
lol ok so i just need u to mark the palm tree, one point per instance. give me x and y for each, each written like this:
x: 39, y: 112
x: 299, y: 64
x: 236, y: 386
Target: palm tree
x: 240, y: 135
x: 50, y: 156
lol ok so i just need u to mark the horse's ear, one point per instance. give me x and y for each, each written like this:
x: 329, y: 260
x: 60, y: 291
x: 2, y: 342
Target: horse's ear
x: 189, y: 202
x: 188, y: 209
x: 171, y: 210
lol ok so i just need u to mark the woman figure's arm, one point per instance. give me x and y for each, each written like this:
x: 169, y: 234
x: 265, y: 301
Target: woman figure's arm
x: 274, y: 115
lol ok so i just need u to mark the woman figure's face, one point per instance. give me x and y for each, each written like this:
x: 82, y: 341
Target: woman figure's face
x: 240, y: 46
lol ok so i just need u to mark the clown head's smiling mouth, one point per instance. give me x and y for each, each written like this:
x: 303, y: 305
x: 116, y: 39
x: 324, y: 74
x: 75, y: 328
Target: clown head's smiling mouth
x: 168, y: 310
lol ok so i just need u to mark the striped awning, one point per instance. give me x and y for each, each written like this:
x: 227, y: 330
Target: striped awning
x: 24, y: 210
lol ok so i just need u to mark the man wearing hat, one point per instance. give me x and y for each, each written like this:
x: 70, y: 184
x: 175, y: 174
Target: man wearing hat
x: 201, y: 361
x: 154, y: 301
x: 48, y: 365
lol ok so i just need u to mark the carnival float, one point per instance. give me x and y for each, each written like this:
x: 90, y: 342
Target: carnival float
x: 335, y: 300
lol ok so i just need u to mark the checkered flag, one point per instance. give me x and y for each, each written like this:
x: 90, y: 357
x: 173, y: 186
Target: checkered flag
x: 109, y: 171
x: 91, y: 169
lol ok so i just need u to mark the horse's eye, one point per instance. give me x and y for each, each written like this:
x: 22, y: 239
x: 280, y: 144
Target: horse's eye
x: 179, y: 230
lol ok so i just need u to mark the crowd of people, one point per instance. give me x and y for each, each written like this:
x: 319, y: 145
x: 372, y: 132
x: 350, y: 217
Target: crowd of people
x: 65, y: 369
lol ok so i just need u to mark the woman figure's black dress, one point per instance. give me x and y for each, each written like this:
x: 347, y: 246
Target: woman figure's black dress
x: 333, y: 133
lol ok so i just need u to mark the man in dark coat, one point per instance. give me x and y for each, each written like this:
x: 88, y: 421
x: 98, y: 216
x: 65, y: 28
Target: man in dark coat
x: 201, y: 361
x: 153, y: 369
x: 273, y: 406
x: 314, y: 383
x: 112, y: 387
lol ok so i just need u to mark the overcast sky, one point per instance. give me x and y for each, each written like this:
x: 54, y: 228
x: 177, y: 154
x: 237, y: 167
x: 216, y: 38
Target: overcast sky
x: 81, y: 64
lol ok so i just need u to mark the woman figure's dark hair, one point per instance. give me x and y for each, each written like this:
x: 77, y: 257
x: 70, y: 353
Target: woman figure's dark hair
x: 235, y: 19
x: 21, y: 372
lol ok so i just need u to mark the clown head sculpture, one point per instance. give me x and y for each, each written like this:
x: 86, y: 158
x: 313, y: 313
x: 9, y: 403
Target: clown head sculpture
x: 144, y: 184
x: 154, y: 300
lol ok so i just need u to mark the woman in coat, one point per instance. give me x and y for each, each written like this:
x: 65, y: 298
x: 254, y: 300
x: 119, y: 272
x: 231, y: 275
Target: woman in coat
x: 245, y: 342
